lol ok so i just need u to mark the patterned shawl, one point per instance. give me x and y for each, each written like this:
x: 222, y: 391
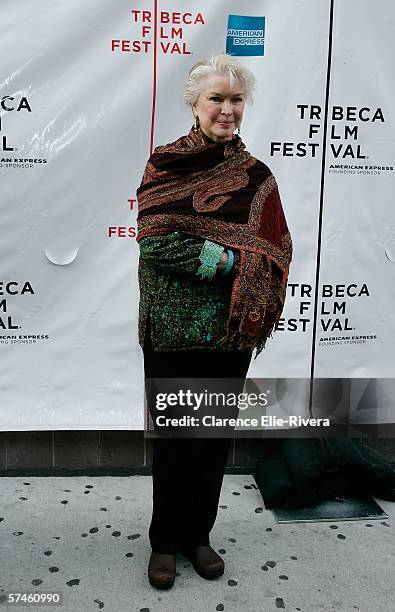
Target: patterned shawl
x: 219, y: 192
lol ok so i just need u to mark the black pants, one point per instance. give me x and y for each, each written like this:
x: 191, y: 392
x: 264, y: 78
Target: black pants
x: 187, y: 473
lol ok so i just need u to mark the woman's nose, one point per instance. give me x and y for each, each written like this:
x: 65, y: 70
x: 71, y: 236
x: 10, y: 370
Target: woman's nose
x: 227, y: 107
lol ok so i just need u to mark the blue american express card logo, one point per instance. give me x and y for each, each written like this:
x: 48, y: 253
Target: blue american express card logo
x: 245, y: 35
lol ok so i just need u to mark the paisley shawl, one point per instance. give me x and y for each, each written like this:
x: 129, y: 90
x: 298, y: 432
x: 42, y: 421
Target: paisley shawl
x: 219, y: 192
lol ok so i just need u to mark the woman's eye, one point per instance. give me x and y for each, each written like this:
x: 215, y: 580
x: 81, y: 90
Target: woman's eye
x: 237, y: 99
x: 215, y: 98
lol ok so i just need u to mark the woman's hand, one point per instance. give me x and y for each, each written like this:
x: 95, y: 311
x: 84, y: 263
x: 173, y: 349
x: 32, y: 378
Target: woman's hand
x: 221, y: 265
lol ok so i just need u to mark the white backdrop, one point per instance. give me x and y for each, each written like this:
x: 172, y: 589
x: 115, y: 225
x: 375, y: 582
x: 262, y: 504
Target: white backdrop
x: 85, y: 92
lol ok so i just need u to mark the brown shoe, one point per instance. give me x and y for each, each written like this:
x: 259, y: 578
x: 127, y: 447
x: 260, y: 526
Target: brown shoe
x: 162, y: 570
x: 206, y: 562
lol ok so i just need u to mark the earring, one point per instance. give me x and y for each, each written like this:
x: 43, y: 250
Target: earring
x: 196, y: 125
x: 238, y: 130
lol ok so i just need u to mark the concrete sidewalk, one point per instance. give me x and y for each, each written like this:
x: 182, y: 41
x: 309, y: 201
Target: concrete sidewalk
x: 87, y: 537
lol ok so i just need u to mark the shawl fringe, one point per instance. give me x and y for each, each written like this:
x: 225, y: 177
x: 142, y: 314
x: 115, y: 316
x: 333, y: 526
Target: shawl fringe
x: 240, y: 341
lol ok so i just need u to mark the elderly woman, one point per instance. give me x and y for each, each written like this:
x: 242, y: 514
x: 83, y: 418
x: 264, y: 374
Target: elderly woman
x: 214, y: 257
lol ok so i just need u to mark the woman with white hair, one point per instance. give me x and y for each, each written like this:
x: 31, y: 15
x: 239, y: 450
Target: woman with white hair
x: 214, y: 257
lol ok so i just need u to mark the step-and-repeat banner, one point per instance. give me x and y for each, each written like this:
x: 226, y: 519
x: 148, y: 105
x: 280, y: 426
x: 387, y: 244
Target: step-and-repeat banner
x: 87, y: 89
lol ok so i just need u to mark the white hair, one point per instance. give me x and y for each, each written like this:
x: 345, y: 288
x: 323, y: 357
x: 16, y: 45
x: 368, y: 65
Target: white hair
x: 218, y: 65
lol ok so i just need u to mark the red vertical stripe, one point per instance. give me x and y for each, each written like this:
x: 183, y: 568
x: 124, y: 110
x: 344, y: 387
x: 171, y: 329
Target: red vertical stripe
x: 154, y: 78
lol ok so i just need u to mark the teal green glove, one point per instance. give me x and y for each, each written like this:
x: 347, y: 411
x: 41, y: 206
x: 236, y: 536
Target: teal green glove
x: 210, y: 255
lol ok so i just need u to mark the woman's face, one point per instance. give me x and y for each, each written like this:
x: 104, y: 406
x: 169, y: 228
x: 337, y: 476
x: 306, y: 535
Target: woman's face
x: 220, y: 107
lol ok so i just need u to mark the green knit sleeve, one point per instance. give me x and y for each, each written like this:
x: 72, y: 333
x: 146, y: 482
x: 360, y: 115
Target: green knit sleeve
x: 176, y: 252
x: 183, y: 254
